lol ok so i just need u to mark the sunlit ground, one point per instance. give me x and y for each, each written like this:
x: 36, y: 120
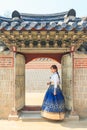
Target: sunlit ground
x: 34, y: 98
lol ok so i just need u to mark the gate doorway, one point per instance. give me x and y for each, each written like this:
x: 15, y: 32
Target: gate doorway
x: 66, y: 77
x: 37, y: 74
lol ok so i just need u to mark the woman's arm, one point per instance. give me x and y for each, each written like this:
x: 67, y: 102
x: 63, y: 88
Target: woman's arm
x: 56, y: 82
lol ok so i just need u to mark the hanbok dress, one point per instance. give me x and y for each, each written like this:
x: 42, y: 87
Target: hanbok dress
x: 53, y: 106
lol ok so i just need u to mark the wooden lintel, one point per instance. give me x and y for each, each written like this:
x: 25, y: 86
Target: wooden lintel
x: 43, y: 50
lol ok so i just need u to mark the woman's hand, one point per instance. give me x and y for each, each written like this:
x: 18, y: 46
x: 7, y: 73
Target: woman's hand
x: 54, y: 93
x: 48, y: 83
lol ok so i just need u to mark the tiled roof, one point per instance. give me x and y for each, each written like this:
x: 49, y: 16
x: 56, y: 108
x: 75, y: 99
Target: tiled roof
x: 59, y: 21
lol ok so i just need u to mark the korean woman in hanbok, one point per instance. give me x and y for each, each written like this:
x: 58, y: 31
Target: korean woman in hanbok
x: 53, y: 106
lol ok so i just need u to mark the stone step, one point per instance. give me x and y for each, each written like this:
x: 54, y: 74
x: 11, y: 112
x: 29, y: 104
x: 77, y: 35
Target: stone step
x: 31, y: 115
x: 36, y: 116
x: 31, y: 108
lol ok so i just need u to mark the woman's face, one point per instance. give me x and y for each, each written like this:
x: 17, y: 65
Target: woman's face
x: 53, y: 70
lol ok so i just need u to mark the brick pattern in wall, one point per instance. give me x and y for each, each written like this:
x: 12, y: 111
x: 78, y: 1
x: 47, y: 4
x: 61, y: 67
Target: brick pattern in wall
x: 80, y: 84
x: 6, y: 85
x: 80, y: 63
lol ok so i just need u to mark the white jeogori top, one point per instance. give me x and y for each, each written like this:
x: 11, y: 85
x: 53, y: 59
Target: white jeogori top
x: 55, y: 79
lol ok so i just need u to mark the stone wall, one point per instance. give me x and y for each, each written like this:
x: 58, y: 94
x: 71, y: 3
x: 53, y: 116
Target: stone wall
x: 6, y: 84
x: 80, y: 84
x: 7, y: 81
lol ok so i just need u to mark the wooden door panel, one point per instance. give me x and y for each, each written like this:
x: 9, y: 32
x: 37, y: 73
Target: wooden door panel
x: 67, y: 80
x: 20, y: 81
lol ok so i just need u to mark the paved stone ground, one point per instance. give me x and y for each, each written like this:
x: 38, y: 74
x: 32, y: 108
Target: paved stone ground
x: 34, y: 99
x: 45, y: 125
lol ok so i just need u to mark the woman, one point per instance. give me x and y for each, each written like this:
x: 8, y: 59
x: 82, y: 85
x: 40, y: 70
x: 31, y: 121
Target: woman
x: 53, y: 106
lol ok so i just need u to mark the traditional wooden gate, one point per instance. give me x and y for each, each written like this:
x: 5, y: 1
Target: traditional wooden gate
x: 67, y: 80
x: 42, y: 34
x: 19, y: 81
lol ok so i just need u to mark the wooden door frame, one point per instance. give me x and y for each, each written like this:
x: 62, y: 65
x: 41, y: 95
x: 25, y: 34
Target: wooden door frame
x: 53, y: 56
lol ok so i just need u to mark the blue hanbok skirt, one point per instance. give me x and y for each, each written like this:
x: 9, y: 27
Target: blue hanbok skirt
x: 53, y: 106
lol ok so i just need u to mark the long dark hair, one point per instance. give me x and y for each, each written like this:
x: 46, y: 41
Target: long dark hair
x: 55, y: 67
